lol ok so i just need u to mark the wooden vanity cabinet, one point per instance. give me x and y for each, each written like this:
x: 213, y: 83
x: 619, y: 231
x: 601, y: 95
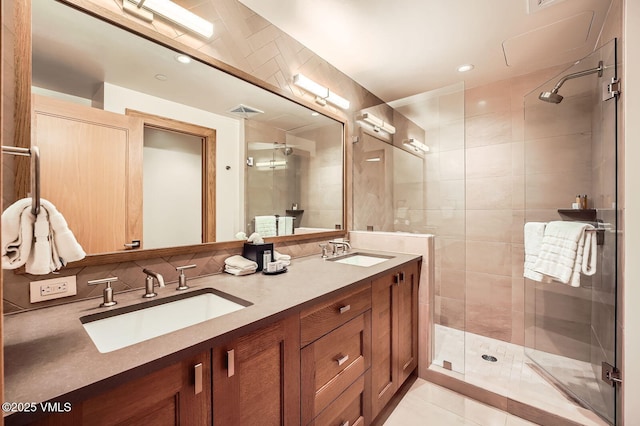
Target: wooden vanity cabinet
x: 179, y: 394
x: 336, y: 359
x: 256, y: 378
x: 394, y: 353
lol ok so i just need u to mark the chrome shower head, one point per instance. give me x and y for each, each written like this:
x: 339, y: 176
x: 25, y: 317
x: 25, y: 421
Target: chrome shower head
x: 551, y: 97
x: 554, y: 98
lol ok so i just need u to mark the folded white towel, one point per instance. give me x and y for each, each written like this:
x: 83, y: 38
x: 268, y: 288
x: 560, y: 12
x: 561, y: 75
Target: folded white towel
x: 240, y: 263
x: 236, y: 271
x: 44, y: 244
x: 266, y: 226
x: 563, y: 256
x: 533, y: 233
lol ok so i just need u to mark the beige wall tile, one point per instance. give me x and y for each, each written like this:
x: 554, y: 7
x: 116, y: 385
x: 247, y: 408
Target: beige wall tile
x: 489, y: 193
x: 488, y: 161
x: 489, y: 98
x: 517, y: 226
x: 452, y: 164
x: 543, y: 120
x: 452, y: 283
x: 451, y: 135
x: 488, y: 129
x: 558, y: 153
x: 490, y: 258
x: 555, y: 190
x: 489, y: 225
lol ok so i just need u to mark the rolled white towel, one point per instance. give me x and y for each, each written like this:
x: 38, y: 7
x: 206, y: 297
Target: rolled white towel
x: 279, y: 256
x: 240, y: 263
x: 255, y: 238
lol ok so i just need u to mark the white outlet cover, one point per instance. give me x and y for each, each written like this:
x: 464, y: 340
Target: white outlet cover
x: 35, y: 295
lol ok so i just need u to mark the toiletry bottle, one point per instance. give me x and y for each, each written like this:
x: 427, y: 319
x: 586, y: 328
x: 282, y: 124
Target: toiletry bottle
x: 585, y: 204
x: 266, y: 259
x: 579, y: 201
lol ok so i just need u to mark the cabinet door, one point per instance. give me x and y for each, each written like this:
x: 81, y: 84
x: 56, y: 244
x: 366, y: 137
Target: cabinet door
x: 176, y: 395
x: 91, y: 158
x: 407, y: 351
x: 383, y: 336
x: 256, y: 378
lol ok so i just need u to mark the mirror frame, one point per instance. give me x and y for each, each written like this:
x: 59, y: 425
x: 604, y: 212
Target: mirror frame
x: 23, y: 127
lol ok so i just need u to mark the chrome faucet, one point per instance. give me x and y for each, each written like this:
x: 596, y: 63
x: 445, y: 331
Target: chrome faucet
x: 148, y: 288
x: 340, y: 245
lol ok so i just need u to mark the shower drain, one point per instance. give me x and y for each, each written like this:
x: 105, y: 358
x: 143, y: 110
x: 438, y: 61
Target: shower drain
x: 489, y: 358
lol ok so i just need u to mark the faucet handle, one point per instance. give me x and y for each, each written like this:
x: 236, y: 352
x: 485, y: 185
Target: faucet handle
x: 323, y: 246
x: 107, y: 293
x: 182, y: 278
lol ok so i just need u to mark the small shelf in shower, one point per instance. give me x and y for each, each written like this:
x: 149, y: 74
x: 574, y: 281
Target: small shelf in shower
x: 584, y: 215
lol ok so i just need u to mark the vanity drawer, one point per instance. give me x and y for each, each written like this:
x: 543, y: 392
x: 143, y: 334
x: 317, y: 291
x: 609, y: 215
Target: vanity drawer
x: 321, y: 319
x: 332, y: 363
x: 348, y: 409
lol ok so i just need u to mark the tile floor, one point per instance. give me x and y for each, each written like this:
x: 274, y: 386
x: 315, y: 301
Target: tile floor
x: 513, y: 374
x: 429, y: 404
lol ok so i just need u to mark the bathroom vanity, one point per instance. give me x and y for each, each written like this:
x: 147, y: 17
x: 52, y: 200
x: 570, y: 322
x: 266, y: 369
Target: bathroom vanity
x: 326, y: 343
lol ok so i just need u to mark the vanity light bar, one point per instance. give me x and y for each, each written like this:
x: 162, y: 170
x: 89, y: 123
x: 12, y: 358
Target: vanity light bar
x: 377, y: 123
x: 416, y: 145
x: 323, y: 93
x: 272, y: 164
x: 172, y: 12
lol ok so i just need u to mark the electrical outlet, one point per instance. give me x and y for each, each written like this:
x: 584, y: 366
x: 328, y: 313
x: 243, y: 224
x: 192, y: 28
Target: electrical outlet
x: 54, y: 288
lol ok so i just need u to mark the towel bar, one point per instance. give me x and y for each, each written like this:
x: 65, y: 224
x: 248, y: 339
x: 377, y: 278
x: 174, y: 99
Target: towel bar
x: 34, y: 153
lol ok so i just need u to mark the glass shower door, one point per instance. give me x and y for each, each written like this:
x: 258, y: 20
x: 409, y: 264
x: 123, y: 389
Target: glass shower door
x: 570, y: 149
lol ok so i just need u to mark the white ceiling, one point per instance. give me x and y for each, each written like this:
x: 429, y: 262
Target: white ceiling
x: 404, y: 47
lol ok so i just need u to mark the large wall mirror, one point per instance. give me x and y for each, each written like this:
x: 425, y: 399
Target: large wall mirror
x: 140, y: 144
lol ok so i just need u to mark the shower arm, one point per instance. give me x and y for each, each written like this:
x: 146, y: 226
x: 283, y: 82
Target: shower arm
x: 559, y: 84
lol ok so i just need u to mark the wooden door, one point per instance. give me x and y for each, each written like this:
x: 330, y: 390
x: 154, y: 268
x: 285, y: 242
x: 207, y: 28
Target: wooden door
x: 93, y: 159
x: 256, y: 378
x: 407, y: 350
x: 383, y: 336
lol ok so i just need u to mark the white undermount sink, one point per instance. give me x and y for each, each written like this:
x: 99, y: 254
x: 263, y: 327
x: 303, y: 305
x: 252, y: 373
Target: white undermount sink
x: 127, y: 326
x: 361, y: 259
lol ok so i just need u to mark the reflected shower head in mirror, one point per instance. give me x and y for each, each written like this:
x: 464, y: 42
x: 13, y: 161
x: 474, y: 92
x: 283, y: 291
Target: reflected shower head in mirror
x: 554, y: 97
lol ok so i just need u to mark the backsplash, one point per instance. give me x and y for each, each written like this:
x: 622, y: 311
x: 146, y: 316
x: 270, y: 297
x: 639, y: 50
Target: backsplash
x: 130, y: 275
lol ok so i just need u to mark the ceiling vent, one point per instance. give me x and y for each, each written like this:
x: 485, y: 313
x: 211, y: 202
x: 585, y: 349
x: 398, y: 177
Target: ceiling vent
x: 534, y: 6
x: 245, y: 111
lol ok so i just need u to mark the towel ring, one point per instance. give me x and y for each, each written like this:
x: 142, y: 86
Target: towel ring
x: 34, y: 153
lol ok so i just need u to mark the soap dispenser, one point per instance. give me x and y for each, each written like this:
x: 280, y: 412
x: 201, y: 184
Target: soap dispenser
x: 182, y: 278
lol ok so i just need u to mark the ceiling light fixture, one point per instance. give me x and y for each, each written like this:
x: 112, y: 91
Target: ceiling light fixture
x: 170, y: 11
x: 183, y: 59
x: 377, y: 123
x: 415, y: 145
x: 323, y: 94
x: 465, y: 67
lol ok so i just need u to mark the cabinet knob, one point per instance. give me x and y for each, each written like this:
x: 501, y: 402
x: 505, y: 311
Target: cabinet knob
x: 345, y: 308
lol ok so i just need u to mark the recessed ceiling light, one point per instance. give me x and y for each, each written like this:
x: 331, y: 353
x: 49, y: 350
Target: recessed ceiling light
x: 465, y: 67
x: 161, y: 77
x: 183, y: 59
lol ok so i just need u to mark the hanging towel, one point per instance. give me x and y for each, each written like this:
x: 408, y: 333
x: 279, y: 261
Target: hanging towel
x: 17, y: 234
x: 533, y: 233
x: 285, y: 225
x: 43, y: 243
x: 266, y: 226
x: 567, y: 250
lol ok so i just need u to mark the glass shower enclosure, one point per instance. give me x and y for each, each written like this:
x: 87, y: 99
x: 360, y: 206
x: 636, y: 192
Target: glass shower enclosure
x: 571, y: 149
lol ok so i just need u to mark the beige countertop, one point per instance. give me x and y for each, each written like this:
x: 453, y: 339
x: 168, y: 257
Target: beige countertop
x: 49, y: 355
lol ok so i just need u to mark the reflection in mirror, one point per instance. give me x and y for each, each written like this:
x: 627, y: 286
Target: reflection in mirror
x: 83, y: 66
x: 388, y: 187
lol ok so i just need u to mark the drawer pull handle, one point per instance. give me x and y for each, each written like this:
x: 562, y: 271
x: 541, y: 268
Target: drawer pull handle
x: 197, y: 370
x: 342, y: 359
x: 396, y: 278
x: 231, y: 367
x: 345, y: 308
x: 401, y: 277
